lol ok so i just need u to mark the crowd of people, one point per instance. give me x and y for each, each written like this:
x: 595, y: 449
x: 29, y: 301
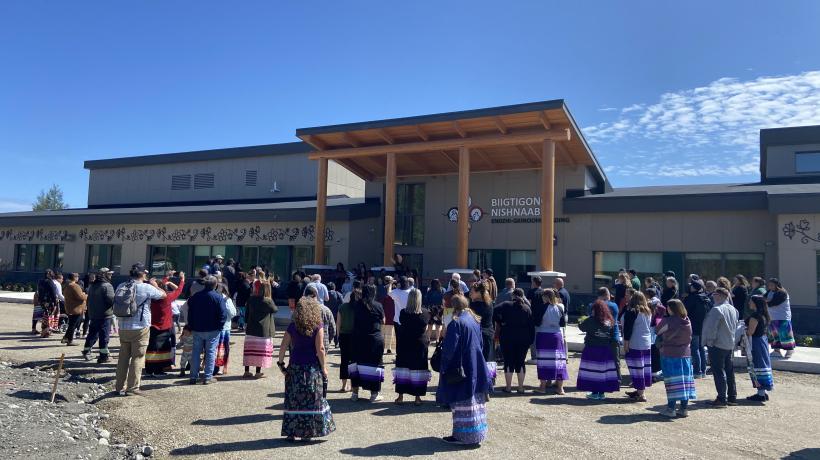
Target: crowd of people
x: 662, y: 332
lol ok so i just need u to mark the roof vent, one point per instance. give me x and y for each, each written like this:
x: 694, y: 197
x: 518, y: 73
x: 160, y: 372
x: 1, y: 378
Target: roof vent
x: 181, y: 182
x: 203, y: 180
x: 250, y: 178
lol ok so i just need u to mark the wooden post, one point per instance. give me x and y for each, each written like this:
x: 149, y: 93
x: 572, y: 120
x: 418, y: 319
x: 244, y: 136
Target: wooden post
x: 57, y: 377
x: 321, y: 208
x: 389, y: 209
x: 462, y: 237
x: 547, y: 204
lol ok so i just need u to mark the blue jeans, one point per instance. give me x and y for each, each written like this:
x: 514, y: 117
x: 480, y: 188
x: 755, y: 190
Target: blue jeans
x: 207, y: 341
x: 240, y: 315
x: 98, y: 328
x: 698, y: 356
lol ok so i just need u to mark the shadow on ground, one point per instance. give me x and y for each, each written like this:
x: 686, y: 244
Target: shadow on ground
x: 240, y: 446
x: 811, y: 453
x: 406, y: 448
x: 37, y: 395
x: 239, y: 420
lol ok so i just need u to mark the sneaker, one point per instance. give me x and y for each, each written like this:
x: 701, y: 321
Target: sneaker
x: 592, y: 396
x: 102, y: 359
x: 668, y: 412
x: 376, y: 397
x: 731, y: 402
x: 86, y: 355
x: 718, y: 404
x: 683, y: 413
x: 354, y: 396
x: 757, y: 398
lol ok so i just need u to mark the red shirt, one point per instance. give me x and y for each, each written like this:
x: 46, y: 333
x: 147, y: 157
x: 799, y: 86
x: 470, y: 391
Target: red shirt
x: 161, y: 317
x: 389, y: 310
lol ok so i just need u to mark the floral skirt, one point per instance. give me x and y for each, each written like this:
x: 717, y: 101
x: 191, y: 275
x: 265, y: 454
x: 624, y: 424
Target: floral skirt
x: 307, y: 412
x: 470, y: 420
x: 781, y: 335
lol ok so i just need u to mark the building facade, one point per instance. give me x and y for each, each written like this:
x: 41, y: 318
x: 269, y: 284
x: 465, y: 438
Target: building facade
x: 259, y: 205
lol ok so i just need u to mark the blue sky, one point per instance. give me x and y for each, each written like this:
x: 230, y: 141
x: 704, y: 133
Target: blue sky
x: 665, y: 92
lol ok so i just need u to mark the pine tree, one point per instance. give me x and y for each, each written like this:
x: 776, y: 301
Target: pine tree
x: 50, y: 200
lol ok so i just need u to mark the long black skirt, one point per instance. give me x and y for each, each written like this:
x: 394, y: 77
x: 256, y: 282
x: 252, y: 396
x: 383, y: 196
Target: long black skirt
x: 346, y: 349
x: 366, y: 369
x: 161, y: 349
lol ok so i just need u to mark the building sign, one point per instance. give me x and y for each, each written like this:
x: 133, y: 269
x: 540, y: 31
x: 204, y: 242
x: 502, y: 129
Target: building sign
x: 518, y: 210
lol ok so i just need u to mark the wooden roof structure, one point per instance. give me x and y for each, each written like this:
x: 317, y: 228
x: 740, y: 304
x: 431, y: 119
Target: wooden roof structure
x: 504, y: 138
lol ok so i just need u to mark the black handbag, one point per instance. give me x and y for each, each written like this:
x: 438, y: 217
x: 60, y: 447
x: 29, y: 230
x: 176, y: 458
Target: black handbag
x: 435, y: 360
x: 455, y: 375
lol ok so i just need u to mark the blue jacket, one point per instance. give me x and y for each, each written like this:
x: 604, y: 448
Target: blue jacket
x: 462, y: 347
x: 206, y: 311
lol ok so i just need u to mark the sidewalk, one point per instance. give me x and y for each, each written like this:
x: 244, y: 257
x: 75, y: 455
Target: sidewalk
x: 17, y: 297
x: 805, y: 359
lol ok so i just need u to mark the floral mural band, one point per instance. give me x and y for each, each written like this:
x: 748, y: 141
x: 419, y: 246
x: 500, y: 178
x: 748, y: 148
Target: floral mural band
x: 205, y: 234
x: 802, y: 229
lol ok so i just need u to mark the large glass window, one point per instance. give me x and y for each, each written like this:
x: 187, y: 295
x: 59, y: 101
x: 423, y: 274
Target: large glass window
x: 165, y: 258
x: 707, y: 265
x: 807, y: 162
x: 302, y: 255
x: 521, y: 262
x: 748, y: 265
x: 276, y: 259
x: 39, y: 257
x: 104, y: 255
x: 22, y: 258
x: 409, y: 215
x: 606, y: 265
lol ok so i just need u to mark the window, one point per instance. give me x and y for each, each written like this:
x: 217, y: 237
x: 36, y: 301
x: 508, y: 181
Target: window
x: 203, y: 180
x: 38, y: 257
x: 495, y: 259
x: 521, y: 262
x: 165, y: 258
x: 181, y: 182
x: 748, y: 265
x: 104, y: 255
x: 23, y: 257
x: 250, y: 178
x: 708, y: 266
x: 807, y: 162
x: 409, y: 215
x: 606, y: 265
x: 302, y: 255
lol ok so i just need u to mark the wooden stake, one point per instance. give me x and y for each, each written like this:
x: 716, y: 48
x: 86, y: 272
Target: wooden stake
x: 57, y: 377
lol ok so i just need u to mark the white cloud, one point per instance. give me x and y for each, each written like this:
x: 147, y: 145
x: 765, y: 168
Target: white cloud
x: 711, y: 130
x: 11, y: 205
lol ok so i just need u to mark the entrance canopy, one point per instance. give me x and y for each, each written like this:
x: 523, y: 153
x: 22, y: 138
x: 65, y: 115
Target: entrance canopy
x: 505, y: 138
x: 538, y: 135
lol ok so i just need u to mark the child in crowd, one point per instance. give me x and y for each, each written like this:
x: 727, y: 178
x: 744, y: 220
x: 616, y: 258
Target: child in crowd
x: 186, y: 342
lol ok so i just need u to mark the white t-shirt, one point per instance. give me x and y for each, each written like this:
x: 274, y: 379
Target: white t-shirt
x: 400, y: 300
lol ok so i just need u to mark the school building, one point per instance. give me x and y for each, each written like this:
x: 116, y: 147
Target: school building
x: 514, y: 188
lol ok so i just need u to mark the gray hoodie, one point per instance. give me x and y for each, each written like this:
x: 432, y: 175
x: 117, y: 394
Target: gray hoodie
x: 719, y: 327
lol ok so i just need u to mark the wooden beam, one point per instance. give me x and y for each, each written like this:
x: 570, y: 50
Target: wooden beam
x: 563, y: 154
x: 315, y: 142
x: 523, y: 137
x: 459, y: 129
x: 535, y: 157
x: 473, y: 169
x: 321, y: 208
x: 348, y: 137
x: 485, y: 158
x: 386, y: 136
x: 547, y: 205
x: 357, y: 169
x: 463, y: 233
x: 542, y: 117
x: 449, y: 158
x: 499, y: 123
x: 423, y: 135
x: 389, y: 209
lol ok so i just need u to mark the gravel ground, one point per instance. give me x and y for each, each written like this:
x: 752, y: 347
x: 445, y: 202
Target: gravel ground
x: 242, y: 419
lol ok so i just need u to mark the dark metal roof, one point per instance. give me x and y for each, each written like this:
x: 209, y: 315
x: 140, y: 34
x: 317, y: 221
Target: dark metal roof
x: 288, y: 148
x: 349, y: 209
x: 776, y: 198
x: 435, y: 118
x: 793, y: 135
